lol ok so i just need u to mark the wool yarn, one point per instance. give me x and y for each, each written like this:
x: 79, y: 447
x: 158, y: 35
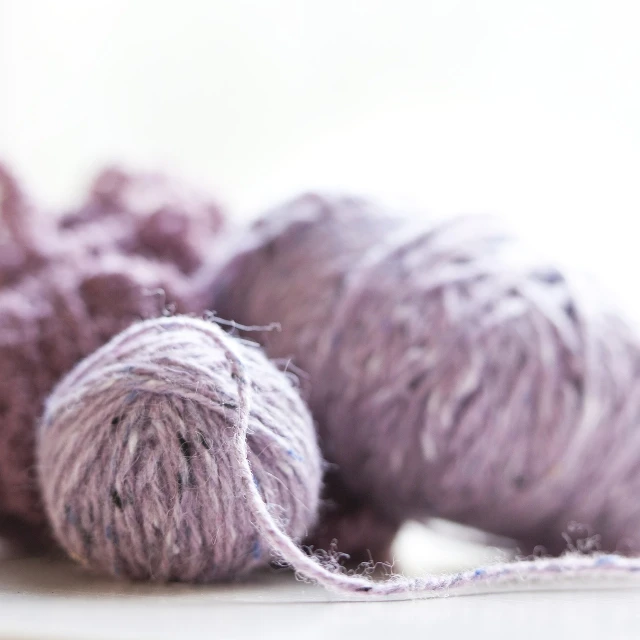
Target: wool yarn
x: 19, y: 252
x: 451, y: 373
x: 142, y: 448
x: 69, y: 283
x: 147, y: 214
x: 362, y: 531
x: 176, y: 452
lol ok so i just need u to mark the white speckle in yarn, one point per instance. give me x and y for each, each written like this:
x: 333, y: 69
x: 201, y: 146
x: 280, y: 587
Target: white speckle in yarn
x: 429, y: 447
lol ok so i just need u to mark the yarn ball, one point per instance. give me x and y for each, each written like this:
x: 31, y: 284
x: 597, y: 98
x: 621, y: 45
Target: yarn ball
x: 452, y: 372
x: 64, y: 291
x: 139, y: 459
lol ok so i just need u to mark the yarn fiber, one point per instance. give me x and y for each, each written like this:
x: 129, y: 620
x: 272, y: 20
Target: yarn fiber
x: 449, y: 376
x: 451, y: 373
x: 176, y: 452
x: 142, y: 447
x: 69, y: 283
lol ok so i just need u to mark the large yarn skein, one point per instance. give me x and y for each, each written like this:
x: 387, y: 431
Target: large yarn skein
x: 177, y: 452
x: 451, y: 374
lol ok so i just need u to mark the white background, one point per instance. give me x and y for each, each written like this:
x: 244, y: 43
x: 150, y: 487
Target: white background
x: 525, y: 109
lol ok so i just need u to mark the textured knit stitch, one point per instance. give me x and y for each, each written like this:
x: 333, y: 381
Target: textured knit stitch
x: 149, y: 215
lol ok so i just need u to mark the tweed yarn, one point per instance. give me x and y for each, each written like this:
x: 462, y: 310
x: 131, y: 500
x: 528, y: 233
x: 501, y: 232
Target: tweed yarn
x: 451, y: 375
x: 139, y: 446
x: 176, y: 452
x: 65, y: 289
x: 132, y: 508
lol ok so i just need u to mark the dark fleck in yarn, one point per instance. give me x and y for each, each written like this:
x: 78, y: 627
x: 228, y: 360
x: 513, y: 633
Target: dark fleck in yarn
x: 450, y: 374
x: 64, y: 291
x: 139, y: 455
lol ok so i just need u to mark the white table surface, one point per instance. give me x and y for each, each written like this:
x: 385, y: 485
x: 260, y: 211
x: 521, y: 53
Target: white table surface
x: 46, y: 598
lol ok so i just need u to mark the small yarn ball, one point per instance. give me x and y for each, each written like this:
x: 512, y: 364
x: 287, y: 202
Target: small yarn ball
x: 452, y: 373
x: 138, y: 463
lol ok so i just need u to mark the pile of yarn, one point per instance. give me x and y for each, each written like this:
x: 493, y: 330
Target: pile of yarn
x: 452, y: 372
x: 449, y: 373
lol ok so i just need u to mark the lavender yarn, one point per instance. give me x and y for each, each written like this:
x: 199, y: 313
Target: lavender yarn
x: 450, y: 374
x: 176, y: 452
x: 143, y: 445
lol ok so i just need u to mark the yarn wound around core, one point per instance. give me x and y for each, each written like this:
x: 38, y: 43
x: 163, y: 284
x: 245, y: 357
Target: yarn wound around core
x: 452, y: 373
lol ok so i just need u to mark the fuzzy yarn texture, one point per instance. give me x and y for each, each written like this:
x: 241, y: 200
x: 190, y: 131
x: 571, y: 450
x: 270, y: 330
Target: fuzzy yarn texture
x: 177, y: 452
x: 143, y: 446
x: 70, y: 282
x: 449, y: 374
x: 452, y: 373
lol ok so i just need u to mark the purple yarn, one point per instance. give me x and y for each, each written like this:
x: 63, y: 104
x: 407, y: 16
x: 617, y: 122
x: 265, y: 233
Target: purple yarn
x: 450, y: 375
x: 176, y: 452
x: 145, y: 449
